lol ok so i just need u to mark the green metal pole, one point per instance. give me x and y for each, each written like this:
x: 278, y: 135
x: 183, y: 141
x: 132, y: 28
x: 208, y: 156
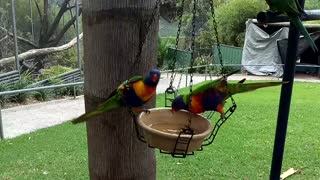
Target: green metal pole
x: 31, y: 19
x: 78, y: 32
x: 285, y: 101
x: 14, y: 28
x: 1, y: 127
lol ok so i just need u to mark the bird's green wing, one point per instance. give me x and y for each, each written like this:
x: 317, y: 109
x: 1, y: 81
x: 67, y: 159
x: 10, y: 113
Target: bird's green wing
x: 297, y: 22
x: 291, y: 8
x: 135, y: 78
x: 269, y: 2
x: 299, y: 7
x: 125, y: 83
x: 271, y: 5
x: 113, y: 101
x: 202, y: 87
x: 205, y: 85
x: 284, y: 6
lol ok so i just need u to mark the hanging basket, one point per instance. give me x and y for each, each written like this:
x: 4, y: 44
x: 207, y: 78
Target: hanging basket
x: 169, y: 132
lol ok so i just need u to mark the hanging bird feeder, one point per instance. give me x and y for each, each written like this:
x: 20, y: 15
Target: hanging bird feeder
x: 181, y: 133
x: 176, y: 133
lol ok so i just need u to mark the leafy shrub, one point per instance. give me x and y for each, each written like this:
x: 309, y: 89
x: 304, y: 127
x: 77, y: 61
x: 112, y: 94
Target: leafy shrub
x: 4, y: 98
x: 163, y: 45
x: 68, y: 91
x: 64, y: 91
x: 202, y: 61
x: 66, y: 58
x: 79, y: 90
x: 53, y: 71
x: 22, y: 83
x: 43, y: 95
x: 217, y: 70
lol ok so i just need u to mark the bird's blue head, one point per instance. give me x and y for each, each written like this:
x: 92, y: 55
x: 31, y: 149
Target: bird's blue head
x: 178, y: 104
x: 152, y: 78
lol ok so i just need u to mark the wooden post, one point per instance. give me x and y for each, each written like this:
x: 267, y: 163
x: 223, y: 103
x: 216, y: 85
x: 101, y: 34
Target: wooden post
x: 113, y: 31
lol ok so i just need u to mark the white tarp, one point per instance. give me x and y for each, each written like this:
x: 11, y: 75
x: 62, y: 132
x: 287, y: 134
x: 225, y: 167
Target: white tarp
x: 261, y: 49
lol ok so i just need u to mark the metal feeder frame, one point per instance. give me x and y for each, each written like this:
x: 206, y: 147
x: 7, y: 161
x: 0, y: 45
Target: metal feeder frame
x: 182, y: 143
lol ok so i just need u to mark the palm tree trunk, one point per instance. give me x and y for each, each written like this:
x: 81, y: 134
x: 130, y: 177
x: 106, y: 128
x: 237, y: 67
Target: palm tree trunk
x: 112, y: 32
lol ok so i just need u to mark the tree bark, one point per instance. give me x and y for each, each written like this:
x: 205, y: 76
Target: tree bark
x: 113, y: 30
x: 44, y: 24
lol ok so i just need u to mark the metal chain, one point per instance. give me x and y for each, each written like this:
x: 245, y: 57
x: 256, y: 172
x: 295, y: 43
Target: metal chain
x: 144, y: 35
x: 179, y: 82
x: 216, y: 36
x: 173, y: 74
x: 193, y: 35
x: 232, y: 100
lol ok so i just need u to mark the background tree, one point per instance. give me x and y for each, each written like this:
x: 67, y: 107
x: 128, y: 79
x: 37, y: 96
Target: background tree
x: 231, y: 18
x: 202, y: 17
x: 4, y: 42
x: 113, y: 32
x: 50, y: 34
x: 47, y: 19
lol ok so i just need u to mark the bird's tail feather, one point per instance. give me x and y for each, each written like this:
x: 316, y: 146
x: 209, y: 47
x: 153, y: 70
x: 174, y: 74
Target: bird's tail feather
x: 240, y: 88
x: 85, y: 116
x: 111, y: 103
x: 297, y: 22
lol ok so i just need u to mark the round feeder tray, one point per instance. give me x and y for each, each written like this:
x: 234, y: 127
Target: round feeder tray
x: 161, y: 128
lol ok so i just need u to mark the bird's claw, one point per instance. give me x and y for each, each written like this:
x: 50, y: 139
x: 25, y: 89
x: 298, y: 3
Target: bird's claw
x: 223, y: 116
x: 140, y: 110
x: 127, y: 87
x: 147, y: 111
x: 187, y: 130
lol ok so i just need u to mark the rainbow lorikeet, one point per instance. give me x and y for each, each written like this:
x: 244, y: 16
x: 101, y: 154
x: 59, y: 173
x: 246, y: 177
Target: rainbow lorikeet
x: 293, y: 9
x: 132, y: 93
x: 211, y: 95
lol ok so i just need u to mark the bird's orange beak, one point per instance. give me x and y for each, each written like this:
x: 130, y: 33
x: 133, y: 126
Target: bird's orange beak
x: 174, y: 110
x: 220, y: 109
x: 155, y: 78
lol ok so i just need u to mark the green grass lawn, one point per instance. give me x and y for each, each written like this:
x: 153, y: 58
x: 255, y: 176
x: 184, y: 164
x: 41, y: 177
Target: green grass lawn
x: 242, y: 149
